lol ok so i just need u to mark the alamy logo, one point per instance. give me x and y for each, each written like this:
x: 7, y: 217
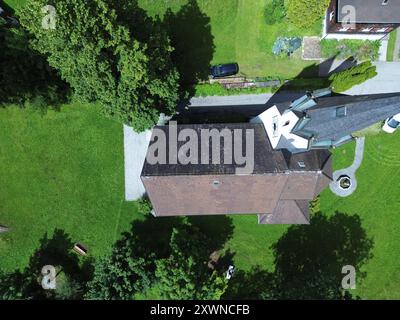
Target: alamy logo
x: 349, y: 280
x: 195, y: 148
x: 49, y: 277
x: 349, y: 18
x: 49, y: 20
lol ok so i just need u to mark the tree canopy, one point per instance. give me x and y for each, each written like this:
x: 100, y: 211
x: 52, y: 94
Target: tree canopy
x: 304, y: 13
x: 351, y: 77
x: 97, y: 54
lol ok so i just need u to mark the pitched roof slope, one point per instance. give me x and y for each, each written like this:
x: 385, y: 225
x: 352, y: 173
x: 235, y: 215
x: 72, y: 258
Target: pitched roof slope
x: 371, y: 11
x: 360, y: 112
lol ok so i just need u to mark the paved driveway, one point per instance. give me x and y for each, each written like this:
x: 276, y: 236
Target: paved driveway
x: 135, y: 148
x: 386, y: 81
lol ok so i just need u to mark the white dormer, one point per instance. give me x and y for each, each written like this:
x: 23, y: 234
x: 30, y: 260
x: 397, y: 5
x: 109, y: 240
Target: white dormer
x: 279, y: 126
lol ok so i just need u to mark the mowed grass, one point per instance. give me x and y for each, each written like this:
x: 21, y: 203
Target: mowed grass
x: 62, y: 170
x: 15, y: 4
x: 377, y: 202
x: 391, y: 45
x: 241, y: 35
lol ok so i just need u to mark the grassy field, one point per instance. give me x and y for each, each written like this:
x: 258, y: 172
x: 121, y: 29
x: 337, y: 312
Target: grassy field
x: 63, y: 170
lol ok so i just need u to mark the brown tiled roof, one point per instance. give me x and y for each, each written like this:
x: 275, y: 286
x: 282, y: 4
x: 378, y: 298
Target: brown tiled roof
x: 278, y: 186
x: 214, y: 194
x: 288, y: 212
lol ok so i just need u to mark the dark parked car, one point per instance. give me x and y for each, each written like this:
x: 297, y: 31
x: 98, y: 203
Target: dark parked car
x: 224, y: 70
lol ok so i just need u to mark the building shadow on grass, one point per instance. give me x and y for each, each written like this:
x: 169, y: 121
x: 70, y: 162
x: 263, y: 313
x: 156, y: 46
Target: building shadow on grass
x: 308, y: 262
x: 307, y: 80
x: 313, y: 77
x: 72, y: 273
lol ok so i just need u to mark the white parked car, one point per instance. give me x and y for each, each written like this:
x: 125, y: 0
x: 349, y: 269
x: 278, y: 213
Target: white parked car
x: 391, y: 124
x: 229, y: 272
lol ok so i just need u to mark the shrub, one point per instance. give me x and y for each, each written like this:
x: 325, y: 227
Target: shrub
x: 304, y: 13
x: 275, y: 11
x: 347, y: 79
x: 216, y: 89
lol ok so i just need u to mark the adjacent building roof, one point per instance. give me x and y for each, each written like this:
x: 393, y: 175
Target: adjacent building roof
x: 335, y: 117
x: 372, y: 11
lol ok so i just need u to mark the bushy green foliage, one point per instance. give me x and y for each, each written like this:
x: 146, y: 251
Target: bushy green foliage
x: 97, y: 54
x: 126, y: 271
x: 119, y: 276
x: 275, y: 11
x: 175, y: 264
x: 343, y: 49
x: 304, y: 13
x: 185, y: 274
x: 347, y: 79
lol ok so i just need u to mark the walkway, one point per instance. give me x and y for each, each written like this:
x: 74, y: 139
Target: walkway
x: 350, y: 171
x: 135, y: 149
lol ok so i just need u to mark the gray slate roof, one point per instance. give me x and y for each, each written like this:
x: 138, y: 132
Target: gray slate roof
x: 361, y: 112
x: 372, y: 11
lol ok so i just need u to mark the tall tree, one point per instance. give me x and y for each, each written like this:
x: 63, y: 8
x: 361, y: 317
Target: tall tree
x: 97, y: 54
x: 186, y: 273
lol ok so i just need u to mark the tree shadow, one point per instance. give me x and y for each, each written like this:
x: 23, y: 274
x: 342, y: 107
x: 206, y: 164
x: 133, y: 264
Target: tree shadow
x: 7, y: 9
x: 309, y: 260
x: 151, y: 236
x: 55, y: 251
x: 190, y: 32
x: 25, y: 75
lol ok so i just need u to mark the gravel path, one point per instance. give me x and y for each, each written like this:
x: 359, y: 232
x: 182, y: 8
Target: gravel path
x: 350, y: 171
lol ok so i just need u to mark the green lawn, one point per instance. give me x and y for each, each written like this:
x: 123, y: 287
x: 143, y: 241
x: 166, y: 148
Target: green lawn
x: 63, y: 170
x: 391, y: 45
x: 376, y: 201
x: 241, y: 35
